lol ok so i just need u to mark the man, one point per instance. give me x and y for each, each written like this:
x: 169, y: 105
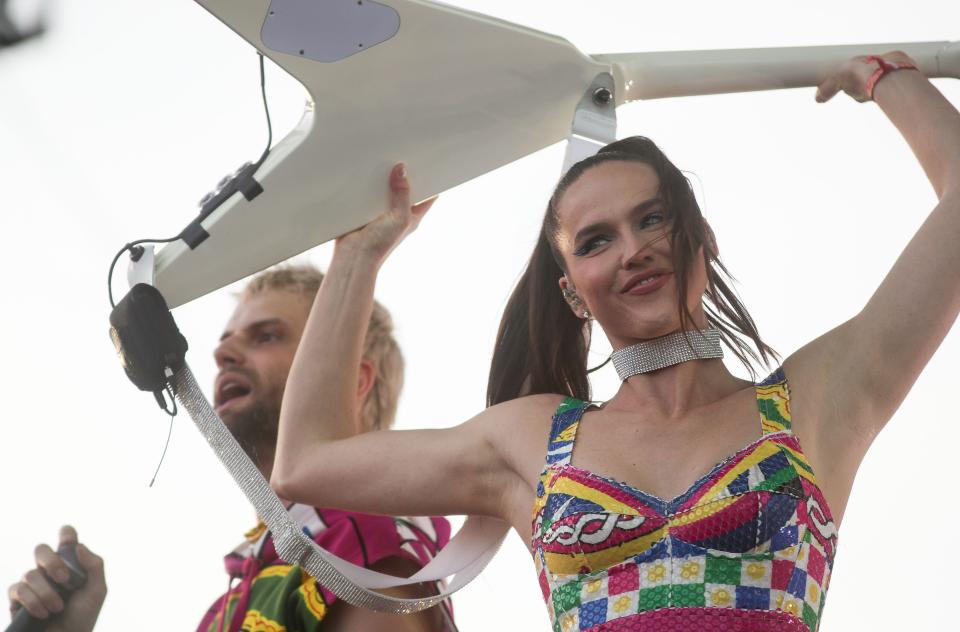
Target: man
x: 253, y: 357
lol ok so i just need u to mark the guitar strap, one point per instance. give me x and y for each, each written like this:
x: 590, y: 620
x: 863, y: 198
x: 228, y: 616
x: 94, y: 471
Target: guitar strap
x: 461, y: 560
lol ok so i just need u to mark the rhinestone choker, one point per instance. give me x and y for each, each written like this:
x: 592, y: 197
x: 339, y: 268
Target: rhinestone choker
x: 659, y: 353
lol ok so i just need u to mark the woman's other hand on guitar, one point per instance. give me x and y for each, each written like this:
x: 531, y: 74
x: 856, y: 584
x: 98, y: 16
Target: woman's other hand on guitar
x: 853, y: 76
x: 377, y: 239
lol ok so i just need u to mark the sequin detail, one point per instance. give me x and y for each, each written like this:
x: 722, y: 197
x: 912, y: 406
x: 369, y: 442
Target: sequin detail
x: 750, y: 545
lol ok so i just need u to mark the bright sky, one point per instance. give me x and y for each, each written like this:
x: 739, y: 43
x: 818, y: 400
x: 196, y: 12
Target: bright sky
x: 113, y: 126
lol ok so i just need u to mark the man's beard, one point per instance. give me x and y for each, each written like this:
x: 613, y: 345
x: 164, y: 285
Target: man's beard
x: 255, y: 429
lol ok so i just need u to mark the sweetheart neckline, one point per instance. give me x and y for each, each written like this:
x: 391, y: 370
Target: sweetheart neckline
x: 684, y: 494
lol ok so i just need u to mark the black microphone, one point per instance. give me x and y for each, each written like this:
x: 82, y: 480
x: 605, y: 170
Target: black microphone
x: 23, y: 621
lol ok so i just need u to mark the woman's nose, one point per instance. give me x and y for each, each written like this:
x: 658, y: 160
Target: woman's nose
x: 637, y: 249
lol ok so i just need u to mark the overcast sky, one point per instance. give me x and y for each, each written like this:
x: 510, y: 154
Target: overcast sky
x: 118, y: 121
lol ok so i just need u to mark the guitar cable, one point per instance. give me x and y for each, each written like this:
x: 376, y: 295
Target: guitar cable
x: 134, y: 247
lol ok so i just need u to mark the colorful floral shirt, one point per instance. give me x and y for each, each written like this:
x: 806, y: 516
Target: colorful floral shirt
x: 269, y: 595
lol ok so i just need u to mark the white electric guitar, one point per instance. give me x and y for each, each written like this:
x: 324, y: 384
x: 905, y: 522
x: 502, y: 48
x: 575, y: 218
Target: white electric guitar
x: 453, y: 94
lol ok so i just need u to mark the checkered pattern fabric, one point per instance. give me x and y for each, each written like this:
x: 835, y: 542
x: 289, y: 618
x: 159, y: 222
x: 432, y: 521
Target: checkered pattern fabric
x: 751, y: 543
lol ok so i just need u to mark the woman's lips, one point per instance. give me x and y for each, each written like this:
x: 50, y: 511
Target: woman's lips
x: 658, y: 281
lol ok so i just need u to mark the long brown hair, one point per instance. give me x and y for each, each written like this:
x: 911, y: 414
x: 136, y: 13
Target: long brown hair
x: 542, y: 346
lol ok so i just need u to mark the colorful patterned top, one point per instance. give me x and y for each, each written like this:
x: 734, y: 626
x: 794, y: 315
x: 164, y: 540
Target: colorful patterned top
x: 748, y: 546
x: 273, y: 596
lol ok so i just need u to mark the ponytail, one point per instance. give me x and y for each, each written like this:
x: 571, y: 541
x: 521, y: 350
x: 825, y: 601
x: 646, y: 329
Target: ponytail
x: 541, y: 346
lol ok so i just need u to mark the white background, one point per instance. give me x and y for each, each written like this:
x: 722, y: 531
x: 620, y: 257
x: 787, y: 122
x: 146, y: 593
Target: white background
x: 116, y: 123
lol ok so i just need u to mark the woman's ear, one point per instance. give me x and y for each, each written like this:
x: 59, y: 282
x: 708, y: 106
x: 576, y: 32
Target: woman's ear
x: 573, y: 300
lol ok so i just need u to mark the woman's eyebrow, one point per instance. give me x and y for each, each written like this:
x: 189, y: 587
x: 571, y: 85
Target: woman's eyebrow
x: 646, y: 205
x: 597, y: 227
x: 589, y: 230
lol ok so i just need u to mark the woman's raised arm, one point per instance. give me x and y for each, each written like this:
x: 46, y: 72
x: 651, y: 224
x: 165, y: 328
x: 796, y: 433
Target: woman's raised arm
x: 319, y: 460
x: 870, y: 362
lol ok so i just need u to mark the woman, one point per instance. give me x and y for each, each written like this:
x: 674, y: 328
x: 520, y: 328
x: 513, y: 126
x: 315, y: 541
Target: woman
x: 676, y: 510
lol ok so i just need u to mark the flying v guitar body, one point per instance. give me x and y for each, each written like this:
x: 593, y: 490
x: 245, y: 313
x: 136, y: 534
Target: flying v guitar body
x: 453, y: 94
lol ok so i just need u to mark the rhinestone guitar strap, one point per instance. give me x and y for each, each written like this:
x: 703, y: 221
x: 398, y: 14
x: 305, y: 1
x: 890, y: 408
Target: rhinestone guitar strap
x: 463, y: 558
x: 152, y: 352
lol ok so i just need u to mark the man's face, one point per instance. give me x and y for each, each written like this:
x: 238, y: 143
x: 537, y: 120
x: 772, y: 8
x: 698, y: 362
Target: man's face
x: 254, y: 358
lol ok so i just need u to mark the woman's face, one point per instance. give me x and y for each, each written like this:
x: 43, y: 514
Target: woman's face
x: 614, y: 236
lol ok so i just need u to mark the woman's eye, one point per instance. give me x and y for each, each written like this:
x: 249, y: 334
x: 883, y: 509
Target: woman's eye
x: 652, y: 219
x: 594, y: 242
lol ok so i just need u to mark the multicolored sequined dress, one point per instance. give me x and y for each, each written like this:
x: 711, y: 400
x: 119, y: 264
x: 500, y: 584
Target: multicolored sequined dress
x: 749, y: 546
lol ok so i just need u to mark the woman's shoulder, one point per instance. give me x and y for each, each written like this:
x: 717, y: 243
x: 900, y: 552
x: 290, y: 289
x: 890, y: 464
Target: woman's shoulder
x: 529, y: 410
x: 541, y: 403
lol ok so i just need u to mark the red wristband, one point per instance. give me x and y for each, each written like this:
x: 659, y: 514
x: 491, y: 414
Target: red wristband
x: 885, y: 68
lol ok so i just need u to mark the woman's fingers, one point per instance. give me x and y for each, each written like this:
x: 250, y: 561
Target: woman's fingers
x: 400, y: 198
x: 828, y: 88
x: 899, y: 56
x: 399, y: 189
x: 843, y: 78
x: 422, y: 208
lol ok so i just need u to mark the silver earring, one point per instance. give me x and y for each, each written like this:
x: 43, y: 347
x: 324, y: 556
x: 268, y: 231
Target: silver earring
x: 571, y: 297
x: 576, y: 302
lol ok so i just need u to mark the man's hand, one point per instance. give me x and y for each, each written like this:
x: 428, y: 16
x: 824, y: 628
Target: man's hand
x: 37, y: 594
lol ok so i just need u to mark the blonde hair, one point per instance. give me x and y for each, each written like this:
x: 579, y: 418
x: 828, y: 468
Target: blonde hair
x: 379, y: 347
